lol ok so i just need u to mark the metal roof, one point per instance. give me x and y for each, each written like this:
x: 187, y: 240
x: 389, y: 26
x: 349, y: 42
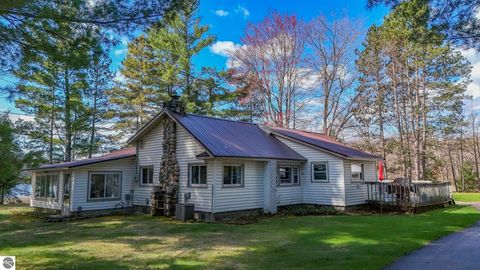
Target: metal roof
x: 226, y: 138
x: 114, y: 155
x: 322, y: 141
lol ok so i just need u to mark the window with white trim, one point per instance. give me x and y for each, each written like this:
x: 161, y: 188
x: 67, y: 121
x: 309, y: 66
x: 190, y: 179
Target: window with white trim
x: 288, y: 175
x: 105, y: 185
x: 198, y: 175
x: 320, y: 171
x: 46, y: 186
x: 146, y: 175
x: 233, y: 175
x: 356, y: 171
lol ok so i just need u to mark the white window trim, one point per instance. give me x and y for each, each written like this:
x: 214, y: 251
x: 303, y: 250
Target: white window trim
x: 141, y: 175
x: 105, y: 183
x: 190, y: 184
x: 312, y: 172
x: 242, y: 175
x: 47, y: 198
x: 356, y: 180
x: 291, y: 182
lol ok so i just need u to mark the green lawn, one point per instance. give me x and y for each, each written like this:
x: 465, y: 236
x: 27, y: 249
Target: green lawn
x: 467, y: 197
x: 144, y: 242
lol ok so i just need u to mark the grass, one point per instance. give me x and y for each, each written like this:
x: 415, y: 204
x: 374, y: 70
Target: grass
x: 467, y: 197
x: 144, y: 242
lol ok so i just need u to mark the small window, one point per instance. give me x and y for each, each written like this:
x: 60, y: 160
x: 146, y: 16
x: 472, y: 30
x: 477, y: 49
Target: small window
x: 46, y: 186
x: 147, y: 175
x: 198, y: 175
x: 233, y: 175
x: 288, y: 175
x: 320, y: 172
x: 105, y: 185
x: 357, y: 171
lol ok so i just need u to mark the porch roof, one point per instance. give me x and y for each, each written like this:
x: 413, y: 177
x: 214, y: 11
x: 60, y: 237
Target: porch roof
x: 114, y: 155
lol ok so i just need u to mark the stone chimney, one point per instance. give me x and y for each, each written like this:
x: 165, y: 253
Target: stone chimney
x: 175, y: 104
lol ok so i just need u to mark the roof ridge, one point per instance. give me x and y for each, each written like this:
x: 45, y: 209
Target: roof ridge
x: 216, y: 118
x: 302, y: 130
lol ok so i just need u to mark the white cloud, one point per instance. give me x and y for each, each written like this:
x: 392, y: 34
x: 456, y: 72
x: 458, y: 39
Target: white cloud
x: 242, y: 10
x: 473, y: 56
x: 119, y: 52
x: 221, y: 12
x: 224, y: 48
x: 119, y: 77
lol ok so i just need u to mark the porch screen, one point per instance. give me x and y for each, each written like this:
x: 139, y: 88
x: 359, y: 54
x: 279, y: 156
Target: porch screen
x: 46, y: 186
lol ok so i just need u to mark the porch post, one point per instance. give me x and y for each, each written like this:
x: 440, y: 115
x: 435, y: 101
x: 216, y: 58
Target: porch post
x: 270, y: 187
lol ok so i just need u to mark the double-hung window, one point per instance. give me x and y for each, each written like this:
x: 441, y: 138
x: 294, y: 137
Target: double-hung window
x: 233, y: 175
x: 46, y: 186
x: 320, y: 172
x: 356, y: 172
x: 147, y: 175
x: 289, y: 175
x: 105, y: 185
x: 198, y: 175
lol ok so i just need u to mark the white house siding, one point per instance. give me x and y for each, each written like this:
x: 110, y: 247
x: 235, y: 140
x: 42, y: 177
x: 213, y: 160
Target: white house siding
x: 356, y: 192
x: 324, y: 193
x: 292, y: 194
x: 249, y: 196
x: 187, y: 150
x: 149, y: 153
x: 47, y: 203
x: 81, y: 182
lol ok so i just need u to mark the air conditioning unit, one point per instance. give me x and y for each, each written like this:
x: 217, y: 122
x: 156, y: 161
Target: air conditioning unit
x: 184, y: 211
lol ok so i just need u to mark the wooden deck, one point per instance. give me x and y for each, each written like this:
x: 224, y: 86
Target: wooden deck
x: 410, y: 195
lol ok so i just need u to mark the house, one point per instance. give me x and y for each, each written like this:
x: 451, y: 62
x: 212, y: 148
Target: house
x: 220, y: 166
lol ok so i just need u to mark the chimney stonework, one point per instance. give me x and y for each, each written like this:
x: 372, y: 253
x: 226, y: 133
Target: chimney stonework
x: 164, y: 196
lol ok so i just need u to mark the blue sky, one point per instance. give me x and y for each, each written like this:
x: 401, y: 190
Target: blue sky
x: 227, y: 20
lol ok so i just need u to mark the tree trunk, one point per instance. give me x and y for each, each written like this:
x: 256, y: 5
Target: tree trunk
x: 453, y: 168
x: 94, y: 119
x: 461, y: 159
x: 52, y: 126
x: 68, y: 122
x: 2, y: 195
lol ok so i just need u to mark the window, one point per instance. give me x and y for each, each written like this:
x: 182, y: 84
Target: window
x: 46, y: 186
x: 288, y: 175
x: 198, y: 175
x: 357, y: 171
x: 233, y: 175
x: 320, y: 172
x: 105, y: 185
x: 147, y: 175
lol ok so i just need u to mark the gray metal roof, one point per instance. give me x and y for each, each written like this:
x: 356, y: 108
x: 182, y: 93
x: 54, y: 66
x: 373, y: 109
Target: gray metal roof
x: 114, y: 155
x: 226, y: 138
x: 323, y: 141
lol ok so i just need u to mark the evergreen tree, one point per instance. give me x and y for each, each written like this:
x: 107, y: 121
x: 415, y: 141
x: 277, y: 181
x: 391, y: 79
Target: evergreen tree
x: 99, y: 81
x: 52, y: 83
x: 407, y: 66
x: 137, y: 95
x: 10, y: 163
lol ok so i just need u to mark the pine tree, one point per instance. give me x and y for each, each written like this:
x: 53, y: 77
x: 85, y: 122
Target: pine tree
x: 11, y: 162
x: 99, y: 81
x: 138, y: 95
x: 52, y: 83
x: 176, y: 40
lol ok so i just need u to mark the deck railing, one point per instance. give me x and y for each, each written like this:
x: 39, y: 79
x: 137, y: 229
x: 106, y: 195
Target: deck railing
x: 414, y: 194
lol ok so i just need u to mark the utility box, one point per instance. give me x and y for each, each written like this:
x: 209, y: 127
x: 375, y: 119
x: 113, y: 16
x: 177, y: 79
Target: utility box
x: 184, y: 211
